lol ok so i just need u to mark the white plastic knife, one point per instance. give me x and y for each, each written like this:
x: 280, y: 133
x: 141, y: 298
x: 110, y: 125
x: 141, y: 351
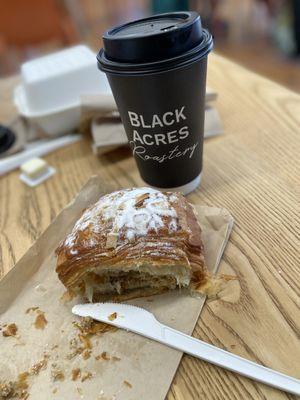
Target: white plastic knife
x: 140, y: 321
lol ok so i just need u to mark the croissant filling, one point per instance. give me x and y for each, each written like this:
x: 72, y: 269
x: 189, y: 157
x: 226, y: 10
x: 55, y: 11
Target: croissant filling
x: 120, y: 282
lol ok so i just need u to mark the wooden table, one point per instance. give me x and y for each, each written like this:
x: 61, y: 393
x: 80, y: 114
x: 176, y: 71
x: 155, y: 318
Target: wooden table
x: 252, y: 171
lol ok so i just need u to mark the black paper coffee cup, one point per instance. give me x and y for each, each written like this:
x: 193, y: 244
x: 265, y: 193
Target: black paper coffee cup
x: 156, y: 68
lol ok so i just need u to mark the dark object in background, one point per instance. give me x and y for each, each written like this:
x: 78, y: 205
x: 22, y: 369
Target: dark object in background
x: 296, y: 13
x: 164, y: 6
x: 157, y: 71
x: 7, y: 138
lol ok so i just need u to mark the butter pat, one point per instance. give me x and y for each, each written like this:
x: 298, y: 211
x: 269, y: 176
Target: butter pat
x: 35, y: 171
x: 34, y: 167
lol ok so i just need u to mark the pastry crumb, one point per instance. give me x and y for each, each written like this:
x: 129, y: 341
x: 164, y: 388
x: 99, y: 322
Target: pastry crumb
x: 31, y: 309
x: 76, y: 373
x: 6, y: 389
x: 88, y: 326
x: 85, y: 376
x: 85, y: 340
x: 57, y: 375
x: 112, y: 316
x: 18, y: 389
x: 10, y: 330
x: 86, y: 354
x: 39, y: 366
x: 74, y: 345
x: 54, y: 390
x: 40, y: 321
x: 128, y: 384
x: 105, y: 356
x: 10, y: 390
x: 67, y: 296
x: 22, y: 380
x: 114, y: 358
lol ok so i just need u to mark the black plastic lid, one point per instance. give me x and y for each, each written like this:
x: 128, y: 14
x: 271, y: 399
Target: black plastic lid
x: 155, y: 38
x: 154, y: 44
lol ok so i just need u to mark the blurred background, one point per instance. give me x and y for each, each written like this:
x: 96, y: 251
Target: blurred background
x: 263, y: 35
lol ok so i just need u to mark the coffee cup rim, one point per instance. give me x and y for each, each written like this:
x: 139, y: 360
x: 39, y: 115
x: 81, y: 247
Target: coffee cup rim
x: 122, y: 68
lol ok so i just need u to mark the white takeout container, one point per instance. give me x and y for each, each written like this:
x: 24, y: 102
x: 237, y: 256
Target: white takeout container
x: 49, y: 95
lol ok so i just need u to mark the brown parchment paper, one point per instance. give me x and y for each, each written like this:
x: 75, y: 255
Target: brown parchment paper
x: 148, y: 366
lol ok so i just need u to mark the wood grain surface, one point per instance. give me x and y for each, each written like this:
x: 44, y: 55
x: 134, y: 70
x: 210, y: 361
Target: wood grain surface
x: 253, y: 171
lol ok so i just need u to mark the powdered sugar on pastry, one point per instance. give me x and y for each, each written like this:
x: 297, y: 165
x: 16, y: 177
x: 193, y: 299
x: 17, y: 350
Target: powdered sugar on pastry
x: 132, y: 211
x: 138, y: 216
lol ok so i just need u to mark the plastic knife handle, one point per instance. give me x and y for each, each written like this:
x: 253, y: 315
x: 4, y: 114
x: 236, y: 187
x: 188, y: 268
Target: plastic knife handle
x: 229, y: 361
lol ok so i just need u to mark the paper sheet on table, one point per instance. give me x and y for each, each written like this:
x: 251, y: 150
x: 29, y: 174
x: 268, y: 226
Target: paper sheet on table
x: 33, y: 283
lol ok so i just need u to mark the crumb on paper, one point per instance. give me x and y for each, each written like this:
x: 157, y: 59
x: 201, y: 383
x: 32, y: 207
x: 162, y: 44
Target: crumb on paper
x: 86, y: 354
x: 39, y: 366
x: 67, y: 296
x: 88, y: 326
x: 40, y: 321
x: 55, y: 346
x: 22, y: 380
x: 18, y: 389
x: 10, y: 330
x: 54, y: 390
x: 73, y: 343
x: 85, y: 376
x: 76, y: 373
x: 85, y: 340
x: 128, y: 384
x: 31, y: 309
x: 103, y: 356
x: 6, y: 389
x: 87, y: 329
x: 10, y: 390
x: 84, y: 324
x: 23, y: 395
x: 114, y: 358
x: 57, y: 374
x: 112, y: 316
x: 75, y: 346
